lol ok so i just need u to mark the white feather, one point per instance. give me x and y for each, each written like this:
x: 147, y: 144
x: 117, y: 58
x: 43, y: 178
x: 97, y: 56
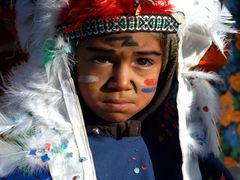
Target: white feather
x: 4, y: 124
x: 209, y: 99
x: 206, y: 21
x: 200, y: 120
x: 11, y: 155
x: 37, y: 22
x: 198, y: 109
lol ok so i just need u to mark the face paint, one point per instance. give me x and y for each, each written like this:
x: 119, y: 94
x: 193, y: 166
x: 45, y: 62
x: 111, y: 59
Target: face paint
x: 150, y: 82
x: 106, y: 90
x: 88, y: 86
x: 152, y: 86
x: 148, y: 90
x: 127, y: 40
x: 88, y: 79
x: 134, y: 86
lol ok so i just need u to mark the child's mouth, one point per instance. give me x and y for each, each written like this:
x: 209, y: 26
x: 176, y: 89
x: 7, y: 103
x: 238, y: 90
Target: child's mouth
x: 117, y: 104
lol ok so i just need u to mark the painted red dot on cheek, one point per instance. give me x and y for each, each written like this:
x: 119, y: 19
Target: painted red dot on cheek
x: 150, y: 82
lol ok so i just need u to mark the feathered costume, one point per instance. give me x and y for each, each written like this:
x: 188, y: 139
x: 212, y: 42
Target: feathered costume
x: 41, y: 120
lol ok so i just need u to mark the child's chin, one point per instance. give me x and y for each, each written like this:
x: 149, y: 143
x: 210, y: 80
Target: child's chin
x: 116, y: 118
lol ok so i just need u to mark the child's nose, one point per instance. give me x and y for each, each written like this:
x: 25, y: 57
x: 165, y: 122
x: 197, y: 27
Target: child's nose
x: 120, y: 79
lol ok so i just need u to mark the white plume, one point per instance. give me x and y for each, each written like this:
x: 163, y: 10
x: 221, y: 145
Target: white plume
x: 37, y: 22
x: 11, y: 155
x: 206, y: 22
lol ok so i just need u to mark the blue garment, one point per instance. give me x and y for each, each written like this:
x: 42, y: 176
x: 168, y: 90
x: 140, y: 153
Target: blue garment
x: 19, y: 175
x: 135, y: 158
x: 124, y: 159
x: 118, y: 160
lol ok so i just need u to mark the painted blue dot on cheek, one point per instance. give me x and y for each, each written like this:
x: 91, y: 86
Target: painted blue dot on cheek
x: 148, y: 90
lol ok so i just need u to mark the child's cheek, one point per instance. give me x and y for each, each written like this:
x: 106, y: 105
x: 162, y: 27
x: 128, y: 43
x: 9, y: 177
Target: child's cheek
x: 149, y: 86
x: 88, y: 81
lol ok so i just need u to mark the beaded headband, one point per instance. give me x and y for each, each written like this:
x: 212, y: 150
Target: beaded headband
x: 143, y: 23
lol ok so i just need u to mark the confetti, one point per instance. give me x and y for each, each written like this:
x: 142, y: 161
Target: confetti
x: 64, y: 146
x: 55, y: 150
x: 17, y: 117
x: 134, y: 158
x: 61, y: 150
x: 205, y: 109
x: 30, y: 114
x: 136, y: 170
x: 48, y: 146
x: 76, y: 177
x: 33, y: 152
x: 45, y: 158
x: 144, y: 168
x: 69, y: 155
x: 82, y: 159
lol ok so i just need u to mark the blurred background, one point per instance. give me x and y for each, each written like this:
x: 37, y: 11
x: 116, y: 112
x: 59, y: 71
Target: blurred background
x: 229, y: 124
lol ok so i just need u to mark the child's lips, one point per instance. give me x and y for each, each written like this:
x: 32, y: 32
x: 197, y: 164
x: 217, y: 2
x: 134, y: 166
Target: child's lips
x: 118, y: 104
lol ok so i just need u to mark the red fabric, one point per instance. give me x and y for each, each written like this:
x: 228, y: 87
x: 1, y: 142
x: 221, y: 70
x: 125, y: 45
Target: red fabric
x: 213, y: 60
x: 77, y: 12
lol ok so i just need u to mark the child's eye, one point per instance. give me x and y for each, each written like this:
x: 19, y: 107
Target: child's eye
x: 101, y: 59
x: 144, y: 62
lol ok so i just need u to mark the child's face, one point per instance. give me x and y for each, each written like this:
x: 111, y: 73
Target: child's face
x: 118, y: 73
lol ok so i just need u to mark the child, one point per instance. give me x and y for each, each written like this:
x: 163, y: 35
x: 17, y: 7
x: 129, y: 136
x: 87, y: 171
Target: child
x: 124, y: 62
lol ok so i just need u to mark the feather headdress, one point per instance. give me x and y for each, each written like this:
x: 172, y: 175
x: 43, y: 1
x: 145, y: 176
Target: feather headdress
x: 45, y: 126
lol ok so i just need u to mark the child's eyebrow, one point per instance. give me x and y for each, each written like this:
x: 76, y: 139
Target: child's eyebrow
x: 100, y: 50
x: 156, y: 53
